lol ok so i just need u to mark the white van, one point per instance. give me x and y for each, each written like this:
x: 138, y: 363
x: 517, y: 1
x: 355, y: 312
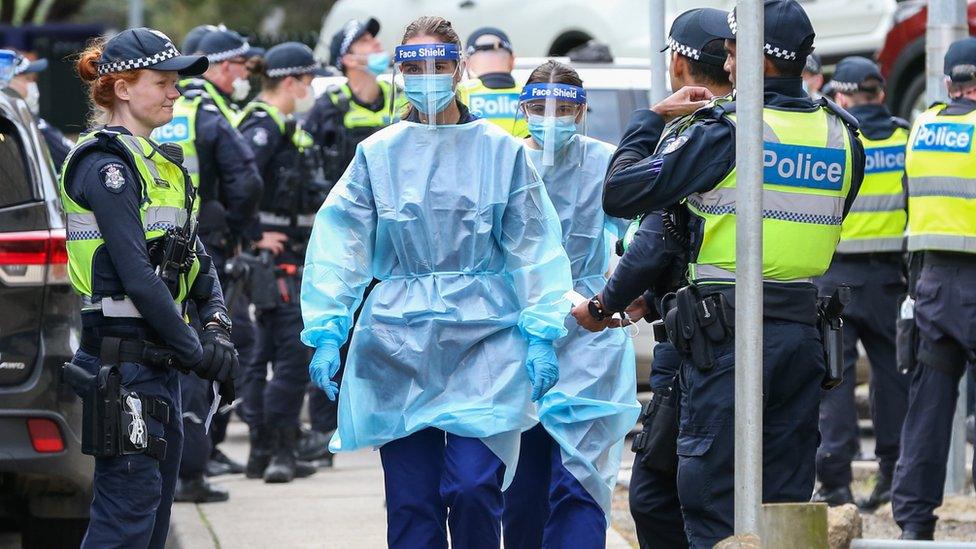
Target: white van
x: 553, y: 27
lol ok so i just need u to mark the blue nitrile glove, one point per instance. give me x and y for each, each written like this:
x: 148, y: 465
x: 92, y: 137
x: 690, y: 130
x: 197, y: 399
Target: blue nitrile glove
x: 324, y: 366
x: 542, y: 367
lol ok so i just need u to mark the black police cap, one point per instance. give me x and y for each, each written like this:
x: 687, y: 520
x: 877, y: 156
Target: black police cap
x: 191, y: 42
x: 787, y: 31
x: 143, y: 48
x: 960, y: 60
x: 291, y: 59
x: 223, y: 44
x: 814, y: 64
x: 503, y: 43
x: 350, y: 32
x: 689, y: 36
x: 855, y: 74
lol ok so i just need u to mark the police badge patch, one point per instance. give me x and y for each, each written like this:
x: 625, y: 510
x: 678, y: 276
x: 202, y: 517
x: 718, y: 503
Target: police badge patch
x: 112, y: 177
x: 675, y: 144
x: 260, y: 137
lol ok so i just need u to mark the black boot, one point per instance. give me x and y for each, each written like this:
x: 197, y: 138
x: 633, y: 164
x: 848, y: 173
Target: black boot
x: 282, y: 466
x: 260, y: 455
x: 879, y: 496
x: 218, y: 457
x: 917, y: 534
x: 198, y: 490
x: 833, y: 496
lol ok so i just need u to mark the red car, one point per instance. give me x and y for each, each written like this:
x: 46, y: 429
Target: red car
x: 902, y: 58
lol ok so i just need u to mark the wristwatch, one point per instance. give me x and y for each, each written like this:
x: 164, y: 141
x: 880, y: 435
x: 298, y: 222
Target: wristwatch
x: 596, y: 309
x: 221, y: 319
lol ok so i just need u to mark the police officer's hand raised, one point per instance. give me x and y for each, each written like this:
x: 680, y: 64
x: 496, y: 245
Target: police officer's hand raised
x: 684, y: 101
x: 220, y: 360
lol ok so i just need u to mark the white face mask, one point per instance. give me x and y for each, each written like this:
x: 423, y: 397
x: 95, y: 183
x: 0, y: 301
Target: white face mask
x: 33, y: 98
x: 242, y: 88
x: 305, y: 104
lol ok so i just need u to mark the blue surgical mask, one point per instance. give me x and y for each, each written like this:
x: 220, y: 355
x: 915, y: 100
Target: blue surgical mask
x: 564, y: 128
x: 377, y: 63
x: 423, y: 89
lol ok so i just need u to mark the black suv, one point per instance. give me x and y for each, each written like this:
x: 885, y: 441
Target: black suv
x: 45, y: 480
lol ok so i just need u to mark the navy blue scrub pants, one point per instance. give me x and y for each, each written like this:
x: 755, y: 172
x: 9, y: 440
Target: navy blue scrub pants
x: 793, y: 368
x: 434, y: 480
x: 869, y: 317
x: 133, y: 494
x: 546, y: 506
x: 654, y: 494
x: 945, y: 313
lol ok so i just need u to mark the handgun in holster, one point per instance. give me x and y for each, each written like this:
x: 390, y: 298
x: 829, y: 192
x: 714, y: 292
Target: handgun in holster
x: 695, y: 324
x: 831, y: 327
x: 263, y: 282
x: 658, y: 440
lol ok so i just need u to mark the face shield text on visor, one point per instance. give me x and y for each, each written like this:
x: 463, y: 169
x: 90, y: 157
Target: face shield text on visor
x: 428, y: 72
x: 555, y: 113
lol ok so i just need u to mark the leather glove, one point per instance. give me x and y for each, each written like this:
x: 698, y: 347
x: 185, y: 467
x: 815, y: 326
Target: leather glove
x: 220, y: 362
x: 324, y: 366
x: 542, y: 367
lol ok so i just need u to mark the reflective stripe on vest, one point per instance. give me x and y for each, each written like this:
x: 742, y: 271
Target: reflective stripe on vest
x: 806, y: 177
x: 876, y: 222
x: 498, y: 106
x: 941, y: 167
x: 165, y: 204
x: 301, y: 139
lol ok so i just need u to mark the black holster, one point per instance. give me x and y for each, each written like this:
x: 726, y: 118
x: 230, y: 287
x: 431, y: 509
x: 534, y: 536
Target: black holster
x: 657, y: 443
x: 831, y: 327
x: 695, y: 325
x: 114, y: 419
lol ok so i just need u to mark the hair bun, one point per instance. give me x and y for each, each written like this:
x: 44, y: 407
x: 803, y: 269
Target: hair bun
x: 87, y: 64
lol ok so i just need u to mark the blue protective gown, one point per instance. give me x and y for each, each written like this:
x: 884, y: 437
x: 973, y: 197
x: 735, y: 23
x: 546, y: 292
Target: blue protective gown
x: 458, y: 228
x: 594, y: 405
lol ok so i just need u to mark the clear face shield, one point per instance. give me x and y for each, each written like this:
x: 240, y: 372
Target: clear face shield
x: 555, y: 113
x: 430, y: 73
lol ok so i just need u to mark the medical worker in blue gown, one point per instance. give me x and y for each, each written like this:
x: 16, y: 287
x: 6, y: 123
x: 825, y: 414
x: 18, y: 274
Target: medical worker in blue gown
x: 568, y: 465
x: 456, y: 340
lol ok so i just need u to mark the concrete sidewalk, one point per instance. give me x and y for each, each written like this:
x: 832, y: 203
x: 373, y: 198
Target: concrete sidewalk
x: 339, y: 507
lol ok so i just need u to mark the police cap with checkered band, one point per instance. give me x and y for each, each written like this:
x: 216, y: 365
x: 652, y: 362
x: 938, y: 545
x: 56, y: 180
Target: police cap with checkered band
x: 787, y: 31
x: 144, y: 48
x: 689, y: 34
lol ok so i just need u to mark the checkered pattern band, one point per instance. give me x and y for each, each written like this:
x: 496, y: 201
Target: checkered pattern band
x: 288, y: 71
x: 22, y: 64
x: 682, y: 49
x: 768, y: 48
x: 140, y: 63
x: 845, y: 87
x: 352, y: 27
x: 229, y: 54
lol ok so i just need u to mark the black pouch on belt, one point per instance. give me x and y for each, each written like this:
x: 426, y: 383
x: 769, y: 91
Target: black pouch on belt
x: 658, y: 440
x: 263, y: 283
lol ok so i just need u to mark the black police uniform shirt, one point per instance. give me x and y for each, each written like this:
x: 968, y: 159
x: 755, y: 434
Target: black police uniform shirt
x: 227, y: 169
x: 106, y: 184
x: 57, y: 143
x: 325, y: 124
x: 636, y: 184
x: 274, y: 153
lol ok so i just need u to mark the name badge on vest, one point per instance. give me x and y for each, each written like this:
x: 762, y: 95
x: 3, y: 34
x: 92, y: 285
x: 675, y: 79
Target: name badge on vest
x: 802, y: 166
x: 884, y: 159
x: 494, y: 105
x: 178, y: 129
x: 944, y: 137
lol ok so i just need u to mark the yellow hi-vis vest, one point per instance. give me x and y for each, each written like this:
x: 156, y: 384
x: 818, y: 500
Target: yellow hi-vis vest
x: 166, y: 204
x: 498, y: 106
x: 941, y: 168
x: 876, y: 222
x: 182, y: 129
x: 358, y: 116
x: 807, y: 174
